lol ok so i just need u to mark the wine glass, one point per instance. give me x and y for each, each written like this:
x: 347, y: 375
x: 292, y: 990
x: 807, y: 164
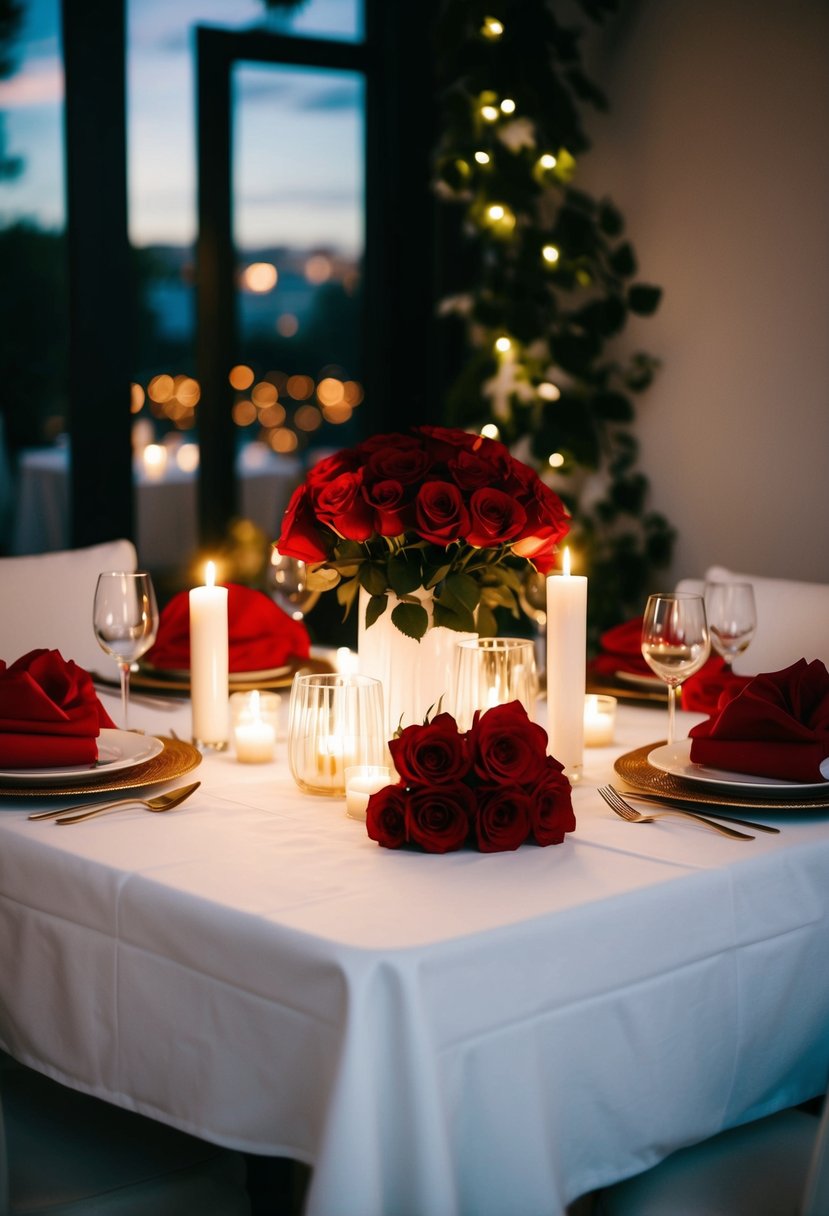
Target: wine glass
x: 675, y: 641
x: 288, y: 585
x: 125, y: 619
x: 532, y: 597
x: 732, y: 618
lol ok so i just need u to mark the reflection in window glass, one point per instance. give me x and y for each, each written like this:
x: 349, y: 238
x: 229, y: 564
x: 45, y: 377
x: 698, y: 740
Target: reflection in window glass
x: 33, y: 347
x: 298, y: 190
x: 162, y: 188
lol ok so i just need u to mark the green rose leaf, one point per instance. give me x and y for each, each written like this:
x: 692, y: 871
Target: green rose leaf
x: 432, y: 575
x: 347, y: 593
x: 404, y: 576
x: 487, y: 624
x: 644, y: 299
x: 411, y: 619
x: 461, y: 591
x: 375, y: 608
x: 458, y: 618
x: 373, y: 578
x: 322, y: 578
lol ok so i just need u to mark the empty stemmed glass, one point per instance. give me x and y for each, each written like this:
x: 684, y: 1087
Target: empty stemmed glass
x: 732, y: 618
x: 675, y: 642
x: 125, y: 619
x: 288, y: 585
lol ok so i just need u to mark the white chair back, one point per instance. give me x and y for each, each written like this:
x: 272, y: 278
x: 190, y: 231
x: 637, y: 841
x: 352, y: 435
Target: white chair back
x: 792, y: 619
x: 46, y: 601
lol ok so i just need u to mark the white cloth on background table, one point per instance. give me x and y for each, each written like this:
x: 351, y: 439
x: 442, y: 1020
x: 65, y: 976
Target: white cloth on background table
x: 437, y: 1035
x: 165, y: 505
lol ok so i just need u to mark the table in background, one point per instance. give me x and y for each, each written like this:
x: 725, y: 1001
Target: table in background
x: 435, y: 1035
x: 165, y: 504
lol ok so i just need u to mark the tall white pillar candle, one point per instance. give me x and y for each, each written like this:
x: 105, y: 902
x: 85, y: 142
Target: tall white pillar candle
x: 209, y: 662
x: 566, y: 667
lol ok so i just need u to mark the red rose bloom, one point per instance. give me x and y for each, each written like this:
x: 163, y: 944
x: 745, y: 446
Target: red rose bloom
x: 440, y: 514
x: 300, y: 537
x: 494, y: 518
x: 487, y: 466
x: 443, y: 442
x: 507, y: 747
x: 331, y: 466
x: 547, y: 523
x: 403, y: 464
x: 340, y: 504
x: 438, y: 819
x: 434, y: 754
x: 503, y: 818
x: 552, y: 806
x: 386, y: 816
x: 392, y: 512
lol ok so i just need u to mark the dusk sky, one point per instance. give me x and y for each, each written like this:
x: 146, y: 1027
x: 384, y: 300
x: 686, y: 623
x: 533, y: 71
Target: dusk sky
x: 298, y: 166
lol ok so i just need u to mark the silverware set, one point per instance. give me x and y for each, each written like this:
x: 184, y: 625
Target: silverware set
x: 76, y: 814
x: 625, y: 811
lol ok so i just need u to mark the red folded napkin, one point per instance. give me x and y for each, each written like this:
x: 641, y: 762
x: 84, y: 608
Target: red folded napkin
x: 621, y: 650
x: 712, y: 687
x: 260, y: 634
x: 50, y: 716
x: 777, y: 726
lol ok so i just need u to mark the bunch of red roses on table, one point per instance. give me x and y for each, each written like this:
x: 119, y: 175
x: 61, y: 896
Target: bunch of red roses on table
x: 493, y: 786
x: 438, y: 509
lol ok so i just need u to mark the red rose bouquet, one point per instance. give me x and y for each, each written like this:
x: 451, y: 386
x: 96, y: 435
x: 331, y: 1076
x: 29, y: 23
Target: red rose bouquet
x: 493, y: 786
x: 439, y: 510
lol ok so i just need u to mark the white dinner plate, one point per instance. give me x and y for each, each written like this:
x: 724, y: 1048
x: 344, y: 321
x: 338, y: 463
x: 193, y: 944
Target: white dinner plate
x: 632, y: 677
x: 117, y: 750
x: 675, y: 758
x: 234, y: 677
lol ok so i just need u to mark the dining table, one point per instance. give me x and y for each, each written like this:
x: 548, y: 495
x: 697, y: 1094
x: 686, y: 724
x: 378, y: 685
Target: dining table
x: 464, y: 1034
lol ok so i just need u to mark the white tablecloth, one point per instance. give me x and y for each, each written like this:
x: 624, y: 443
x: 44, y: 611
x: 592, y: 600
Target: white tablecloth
x: 165, y: 506
x: 437, y: 1036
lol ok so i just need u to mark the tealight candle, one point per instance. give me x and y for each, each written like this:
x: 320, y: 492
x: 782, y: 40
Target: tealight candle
x: 566, y: 666
x: 361, y: 781
x: 209, y: 662
x: 599, y: 720
x: 254, y: 718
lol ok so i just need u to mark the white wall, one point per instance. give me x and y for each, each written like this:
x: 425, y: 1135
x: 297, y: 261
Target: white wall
x: 716, y: 150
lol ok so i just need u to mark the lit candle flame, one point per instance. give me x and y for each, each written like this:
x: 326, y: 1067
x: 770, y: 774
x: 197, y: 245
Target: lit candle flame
x: 210, y: 574
x: 565, y: 561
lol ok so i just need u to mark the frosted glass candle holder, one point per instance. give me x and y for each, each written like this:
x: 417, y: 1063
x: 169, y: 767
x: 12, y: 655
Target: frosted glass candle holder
x: 334, y: 721
x: 493, y: 671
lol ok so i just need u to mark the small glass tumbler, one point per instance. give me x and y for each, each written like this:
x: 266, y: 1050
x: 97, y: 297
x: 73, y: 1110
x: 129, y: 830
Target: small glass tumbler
x: 334, y: 721
x: 494, y: 671
x: 254, y: 720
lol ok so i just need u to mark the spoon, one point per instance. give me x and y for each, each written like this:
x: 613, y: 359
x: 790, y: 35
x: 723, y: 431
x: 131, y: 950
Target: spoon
x: 163, y: 802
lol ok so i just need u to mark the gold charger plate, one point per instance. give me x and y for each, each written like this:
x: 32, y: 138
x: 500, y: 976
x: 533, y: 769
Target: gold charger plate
x: 175, y: 758
x: 145, y: 681
x: 635, y: 769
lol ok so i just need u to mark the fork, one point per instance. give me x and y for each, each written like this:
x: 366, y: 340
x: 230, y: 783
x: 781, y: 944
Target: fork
x: 625, y: 811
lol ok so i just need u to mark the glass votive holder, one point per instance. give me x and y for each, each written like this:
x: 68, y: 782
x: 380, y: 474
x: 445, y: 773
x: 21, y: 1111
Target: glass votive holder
x: 334, y: 722
x: 494, y: 671
x: 254, y: 721
x: 361, y: 781
x: 599, y: 720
